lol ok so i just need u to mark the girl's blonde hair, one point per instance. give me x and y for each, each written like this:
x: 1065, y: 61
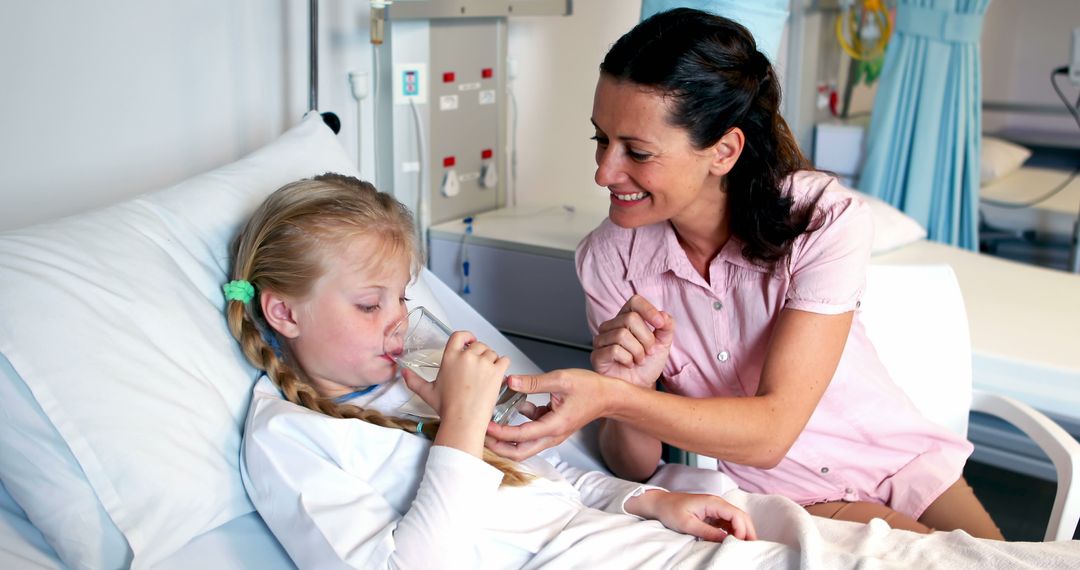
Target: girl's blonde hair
x: 282, y: 249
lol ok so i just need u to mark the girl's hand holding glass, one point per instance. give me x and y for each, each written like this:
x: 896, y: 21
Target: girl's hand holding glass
x: 707, y: 517
x: 420, y: 344
x: 468, y: 383
x: 634, y: 345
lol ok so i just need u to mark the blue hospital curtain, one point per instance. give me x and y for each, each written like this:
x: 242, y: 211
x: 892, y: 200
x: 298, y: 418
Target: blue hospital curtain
x: 764, y: 18
x: 926, y: 127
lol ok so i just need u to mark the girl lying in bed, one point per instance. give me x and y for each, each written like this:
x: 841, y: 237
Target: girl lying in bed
x: 319, y: 280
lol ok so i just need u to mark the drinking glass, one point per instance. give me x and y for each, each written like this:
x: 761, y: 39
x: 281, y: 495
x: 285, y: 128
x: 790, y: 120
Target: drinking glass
x: 418, y: 342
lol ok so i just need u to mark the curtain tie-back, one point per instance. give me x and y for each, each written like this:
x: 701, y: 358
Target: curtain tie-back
x: 940, y: 25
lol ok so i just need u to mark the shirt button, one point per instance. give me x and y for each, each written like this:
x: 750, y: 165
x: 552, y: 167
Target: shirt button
x: 849, y: 491
x: 858, y: 304
x: 723, y: 356
x: 824, y: 470
x: 718, y: 305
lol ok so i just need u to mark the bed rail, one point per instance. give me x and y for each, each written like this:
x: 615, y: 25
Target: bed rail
x: 329, y: 118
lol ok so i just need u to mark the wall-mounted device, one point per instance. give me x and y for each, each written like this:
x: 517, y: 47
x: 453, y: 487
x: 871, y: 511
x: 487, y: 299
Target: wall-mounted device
x: 442, y: 105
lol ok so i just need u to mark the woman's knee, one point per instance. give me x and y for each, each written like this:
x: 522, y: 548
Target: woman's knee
x: 959, y: 509
x: 863, y: 512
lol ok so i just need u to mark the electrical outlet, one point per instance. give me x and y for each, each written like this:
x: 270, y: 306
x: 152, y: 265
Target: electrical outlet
x: 410, y: 83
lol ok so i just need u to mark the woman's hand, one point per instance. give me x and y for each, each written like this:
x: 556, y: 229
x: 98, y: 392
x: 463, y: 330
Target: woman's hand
x: 464, y: 392
x: 634, y: 346
x: 705, y: 516
x: 577, y: 398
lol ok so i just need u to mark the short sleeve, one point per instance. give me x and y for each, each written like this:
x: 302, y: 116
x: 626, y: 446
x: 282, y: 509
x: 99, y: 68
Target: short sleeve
x: 828, y: 265
x: 601, y: 269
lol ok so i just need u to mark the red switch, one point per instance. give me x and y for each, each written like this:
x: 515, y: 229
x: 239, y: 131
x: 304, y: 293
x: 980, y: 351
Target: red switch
x: 448, y: 162
x: 486, y: 154
x: 487, y: 73
x: 448, y: 77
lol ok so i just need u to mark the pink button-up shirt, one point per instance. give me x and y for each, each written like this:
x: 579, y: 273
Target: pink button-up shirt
x: 865, y: 441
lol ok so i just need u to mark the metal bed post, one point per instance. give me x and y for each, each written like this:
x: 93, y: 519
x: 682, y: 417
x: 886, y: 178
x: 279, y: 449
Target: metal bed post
x: 329, y: 118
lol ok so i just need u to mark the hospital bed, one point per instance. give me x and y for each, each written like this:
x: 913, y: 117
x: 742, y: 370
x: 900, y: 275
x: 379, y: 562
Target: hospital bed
x: 123, y: 394
x: 1054, y: 216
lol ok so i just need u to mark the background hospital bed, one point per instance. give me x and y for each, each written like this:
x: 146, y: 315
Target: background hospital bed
x: 196, y: 218
x: 1054, y: 216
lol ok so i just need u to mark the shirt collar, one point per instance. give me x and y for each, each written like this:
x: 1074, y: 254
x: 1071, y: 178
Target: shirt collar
x: 655, y: 249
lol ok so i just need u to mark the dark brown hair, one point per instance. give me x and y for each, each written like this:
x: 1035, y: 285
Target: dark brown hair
x: 711, y: 69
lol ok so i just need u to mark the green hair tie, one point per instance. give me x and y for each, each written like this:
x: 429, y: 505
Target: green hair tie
x: 238, y: 290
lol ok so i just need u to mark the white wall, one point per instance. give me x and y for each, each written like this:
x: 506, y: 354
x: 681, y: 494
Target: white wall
x: 1022, y: 41
x: 101, y: 100
x: 104, y: 99
x: 558, y: 65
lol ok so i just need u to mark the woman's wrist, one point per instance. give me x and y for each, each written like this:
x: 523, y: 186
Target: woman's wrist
x: 619, y: 399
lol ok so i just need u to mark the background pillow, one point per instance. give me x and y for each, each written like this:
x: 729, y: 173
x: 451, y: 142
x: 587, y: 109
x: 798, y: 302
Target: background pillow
x: 113, y: 320
x: 892, y: 228
x: 1000, y: 158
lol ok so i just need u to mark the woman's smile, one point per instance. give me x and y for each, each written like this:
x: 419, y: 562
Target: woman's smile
x: 628, y: 199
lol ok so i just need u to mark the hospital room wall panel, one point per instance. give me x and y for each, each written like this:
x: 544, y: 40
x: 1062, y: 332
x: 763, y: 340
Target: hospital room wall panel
x: 104, y: 99
x: 1022, y: 42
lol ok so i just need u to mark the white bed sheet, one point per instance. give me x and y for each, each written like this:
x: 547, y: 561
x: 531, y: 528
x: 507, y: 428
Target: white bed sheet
x: 789, y: 538
x: 1054, y: 216
x: 1025, y: 324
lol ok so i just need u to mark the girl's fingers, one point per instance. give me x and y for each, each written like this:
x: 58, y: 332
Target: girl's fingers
x: 426, y: 390
x: 502, y: 364
x: 460, y: 340
x: 701, y: 529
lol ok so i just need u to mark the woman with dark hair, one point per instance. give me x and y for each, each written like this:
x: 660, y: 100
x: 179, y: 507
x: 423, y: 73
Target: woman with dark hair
x: 731, y: 272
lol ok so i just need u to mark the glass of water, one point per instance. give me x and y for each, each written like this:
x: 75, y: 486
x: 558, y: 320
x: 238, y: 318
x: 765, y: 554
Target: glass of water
x: 418, y: 342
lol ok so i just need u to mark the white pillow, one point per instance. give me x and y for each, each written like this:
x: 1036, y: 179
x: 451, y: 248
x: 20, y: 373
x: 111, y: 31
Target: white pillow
x: 892, y: 228
x: 1000, y: 158
x: 113, y: 319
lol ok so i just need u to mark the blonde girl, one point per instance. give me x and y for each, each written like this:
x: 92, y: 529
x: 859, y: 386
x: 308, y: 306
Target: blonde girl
x: 319, y: 279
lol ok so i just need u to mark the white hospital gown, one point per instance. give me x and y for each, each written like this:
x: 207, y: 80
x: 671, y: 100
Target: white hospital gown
x: 346, y: 493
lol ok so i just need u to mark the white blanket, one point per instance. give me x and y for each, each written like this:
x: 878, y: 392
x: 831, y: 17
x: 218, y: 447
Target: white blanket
x: 790, y: 538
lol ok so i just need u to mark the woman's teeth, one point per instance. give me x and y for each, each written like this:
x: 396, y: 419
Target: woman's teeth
x: 630, y: 197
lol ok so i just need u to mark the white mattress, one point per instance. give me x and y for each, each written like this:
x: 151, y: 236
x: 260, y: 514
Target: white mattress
x: 1025, y: 324
x: 1053, y: 216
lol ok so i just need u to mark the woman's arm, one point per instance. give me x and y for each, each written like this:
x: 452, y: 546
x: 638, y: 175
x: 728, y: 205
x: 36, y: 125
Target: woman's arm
x: 758, y: 430
x: 629, y: 452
